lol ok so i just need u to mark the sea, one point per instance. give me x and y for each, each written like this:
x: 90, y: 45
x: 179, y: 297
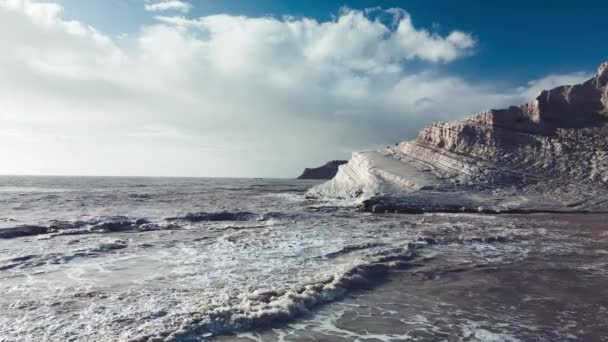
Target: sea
x: 213, y: 259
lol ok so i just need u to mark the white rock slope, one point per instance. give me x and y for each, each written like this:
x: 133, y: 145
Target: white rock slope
x: 373, y: 173
x: 550, y: 154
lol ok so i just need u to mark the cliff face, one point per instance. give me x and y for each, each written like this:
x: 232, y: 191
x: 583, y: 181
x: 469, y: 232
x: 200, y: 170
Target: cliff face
x: 554, y: 148
x: 327, y: 171
x: 560, y: 134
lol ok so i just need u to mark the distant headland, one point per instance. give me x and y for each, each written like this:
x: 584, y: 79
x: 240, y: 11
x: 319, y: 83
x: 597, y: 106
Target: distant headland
x: 327, y: 171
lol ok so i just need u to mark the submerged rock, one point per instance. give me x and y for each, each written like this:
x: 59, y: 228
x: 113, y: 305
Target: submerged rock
x: 25, y: 230
x: 550, y: 154
x: 217, y: 216
x: 327, y: 171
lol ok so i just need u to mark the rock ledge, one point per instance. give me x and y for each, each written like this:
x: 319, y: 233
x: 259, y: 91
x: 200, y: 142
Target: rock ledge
x: 550, y: 154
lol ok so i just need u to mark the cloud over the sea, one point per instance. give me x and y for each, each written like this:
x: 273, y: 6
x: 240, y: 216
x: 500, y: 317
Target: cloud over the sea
x: 167, y: 5
x: 224, y: 94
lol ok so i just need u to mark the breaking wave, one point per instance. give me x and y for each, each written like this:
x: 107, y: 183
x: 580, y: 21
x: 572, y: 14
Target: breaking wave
x: 218, y: 216
x: 124, y: 224
x: 264, y: 308
x: 187, y: 314
x: 168, y: 262
x: 35, y: 260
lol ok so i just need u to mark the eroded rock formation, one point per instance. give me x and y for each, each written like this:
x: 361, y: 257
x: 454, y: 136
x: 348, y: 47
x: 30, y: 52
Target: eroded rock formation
x: 327, y: 171
x: 551, y: 152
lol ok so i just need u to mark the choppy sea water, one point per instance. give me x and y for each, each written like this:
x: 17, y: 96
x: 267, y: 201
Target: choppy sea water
x: 138, y: 259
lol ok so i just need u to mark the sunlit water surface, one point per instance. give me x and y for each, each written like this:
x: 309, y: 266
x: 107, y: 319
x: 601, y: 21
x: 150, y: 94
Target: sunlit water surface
x: 110, y: 259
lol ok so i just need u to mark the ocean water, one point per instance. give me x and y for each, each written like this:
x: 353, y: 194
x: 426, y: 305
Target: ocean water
x: 195, y: 259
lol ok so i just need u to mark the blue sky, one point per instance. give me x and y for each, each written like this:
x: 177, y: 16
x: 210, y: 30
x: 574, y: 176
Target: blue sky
x: 265, y: 88
x: 518, y: 39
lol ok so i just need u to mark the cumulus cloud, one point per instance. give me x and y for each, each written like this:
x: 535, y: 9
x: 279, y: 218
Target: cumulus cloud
x: 168, y: 5
x: 222, y: 95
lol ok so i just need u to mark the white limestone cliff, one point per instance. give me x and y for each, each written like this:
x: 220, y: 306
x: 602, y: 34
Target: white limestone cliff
x: 553, y: 149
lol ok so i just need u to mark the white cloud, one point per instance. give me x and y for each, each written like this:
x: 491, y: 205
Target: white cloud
x: 168, y: 5
x: 42, y: 13
x: 221, y: 95
x: 533, y: 88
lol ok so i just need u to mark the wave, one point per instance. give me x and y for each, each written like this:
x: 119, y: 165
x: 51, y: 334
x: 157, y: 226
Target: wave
x: 217, y: 216
x: 140, y: 196
x: 115, y: 224
x: 35, y: 260
x: 263, y: 308
x: 110, y: 224
x: 351, y: 248
x: 234, y: 216
x: 240, y: 308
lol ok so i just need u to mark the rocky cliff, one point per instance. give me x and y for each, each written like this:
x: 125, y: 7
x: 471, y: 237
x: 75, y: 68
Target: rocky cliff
x: 327, y: 171
x: 550, y: 154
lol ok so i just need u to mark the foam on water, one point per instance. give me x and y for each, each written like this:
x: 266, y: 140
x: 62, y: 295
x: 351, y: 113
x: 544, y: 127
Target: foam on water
x: 203, y: 258
x: 176, y: 284
x: 478, y: 331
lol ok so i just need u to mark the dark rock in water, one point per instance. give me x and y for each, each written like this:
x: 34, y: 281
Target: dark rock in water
x: 141, y: 221
x: 217, y: 216
x: 109, y: 246
x: 20, y: 231
x: 57, y: 225
x: 116, y: 225
x: 327, y: 171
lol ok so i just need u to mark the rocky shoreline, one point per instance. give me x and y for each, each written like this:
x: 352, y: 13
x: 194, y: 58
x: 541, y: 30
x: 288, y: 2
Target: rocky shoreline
x: 548, y: 155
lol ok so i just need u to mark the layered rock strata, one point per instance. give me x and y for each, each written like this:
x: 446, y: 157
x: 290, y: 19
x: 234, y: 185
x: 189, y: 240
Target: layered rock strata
x: 550, y: 154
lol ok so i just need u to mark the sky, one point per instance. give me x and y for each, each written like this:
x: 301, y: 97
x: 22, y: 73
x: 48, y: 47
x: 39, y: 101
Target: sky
x: 265, y: 88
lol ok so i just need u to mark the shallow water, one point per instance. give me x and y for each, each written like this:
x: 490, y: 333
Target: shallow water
x: 110, y: 259
x: 548, y: 294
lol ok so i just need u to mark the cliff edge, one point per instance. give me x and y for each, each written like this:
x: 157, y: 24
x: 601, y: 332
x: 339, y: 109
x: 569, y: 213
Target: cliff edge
x: 550, y: 154
x: 327, y: 171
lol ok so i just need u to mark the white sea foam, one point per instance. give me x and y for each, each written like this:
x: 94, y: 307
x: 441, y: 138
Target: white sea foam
x: 174, y: 284
x: 242, y: 259
x: 479, y: 332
